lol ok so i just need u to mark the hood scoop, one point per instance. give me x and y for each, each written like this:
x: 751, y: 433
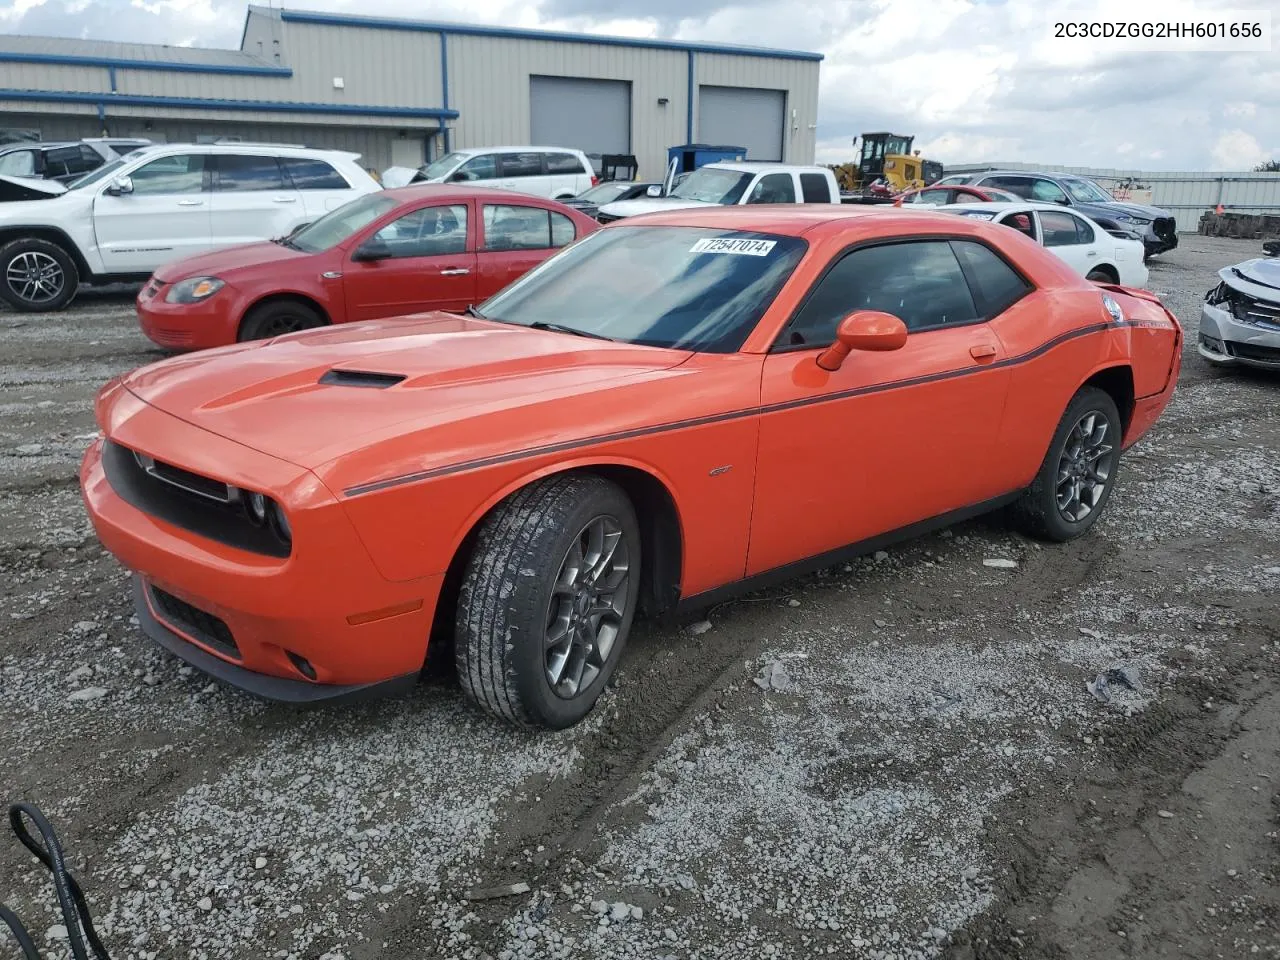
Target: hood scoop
x: 362, y: 378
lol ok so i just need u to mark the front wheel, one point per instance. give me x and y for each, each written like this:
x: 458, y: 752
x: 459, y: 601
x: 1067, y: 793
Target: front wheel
x: 547, y: 599
x: 1099, y: 275
x: 1079, y: 471
x: 37, y: 276
x: 276, y: 318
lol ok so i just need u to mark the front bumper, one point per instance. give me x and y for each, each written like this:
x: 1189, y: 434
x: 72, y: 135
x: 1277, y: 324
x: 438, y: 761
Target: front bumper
x: 1154, y: 243
x: 1227, y: 341
x: 188, y: 326
x: 317, y: 624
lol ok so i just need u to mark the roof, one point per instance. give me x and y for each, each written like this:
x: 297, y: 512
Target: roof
x: 762, y: 166
x: 444, y: 191
x: 16, y: 48
x: 524, y: 148
x: 793, y: 220
x: 999, y: 206
x: 478, y: 30
x: 285, y: 150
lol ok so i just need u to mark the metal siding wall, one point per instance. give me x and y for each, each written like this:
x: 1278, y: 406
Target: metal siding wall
x: 592, y: 115
x: 489, y: 87
x: 50, y: 76
x: 52, y: 127
x: 799, y: 78
x: 399, y: 68
x: 260, y: 34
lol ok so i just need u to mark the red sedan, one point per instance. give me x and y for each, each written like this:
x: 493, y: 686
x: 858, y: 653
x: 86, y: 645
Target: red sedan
x: 385, y: 254
x: 936, y: 196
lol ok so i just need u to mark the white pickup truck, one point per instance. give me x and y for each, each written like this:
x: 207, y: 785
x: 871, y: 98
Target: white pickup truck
x: 734, y: 182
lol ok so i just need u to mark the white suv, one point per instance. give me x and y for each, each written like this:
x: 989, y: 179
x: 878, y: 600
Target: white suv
x: 158, y: 204
x: 556, y: 173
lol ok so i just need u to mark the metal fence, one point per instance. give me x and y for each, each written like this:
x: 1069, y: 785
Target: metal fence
x: 1185, y: 194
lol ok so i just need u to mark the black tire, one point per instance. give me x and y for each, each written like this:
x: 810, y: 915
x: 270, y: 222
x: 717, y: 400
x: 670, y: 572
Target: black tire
x: 505, y: 601
x: 276, y: 318
x: 1099, y: 275
x: 1038, y: 511
x: 27, y: 269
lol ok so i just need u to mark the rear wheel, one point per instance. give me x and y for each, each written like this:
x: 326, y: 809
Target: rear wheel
x: 1100, y: 275
x: 547, y: 600
x: 277, y: 318
x: 1079, y: 471
x: 37, y: 276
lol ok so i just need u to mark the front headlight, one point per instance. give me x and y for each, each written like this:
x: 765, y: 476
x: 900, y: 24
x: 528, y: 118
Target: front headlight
x: 1137, y: 221
x: 194, y: 290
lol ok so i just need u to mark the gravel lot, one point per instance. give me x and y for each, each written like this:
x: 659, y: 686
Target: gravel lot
x: 927, y: 774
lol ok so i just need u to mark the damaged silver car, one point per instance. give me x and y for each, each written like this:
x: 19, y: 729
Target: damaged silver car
x: 1240, y: 320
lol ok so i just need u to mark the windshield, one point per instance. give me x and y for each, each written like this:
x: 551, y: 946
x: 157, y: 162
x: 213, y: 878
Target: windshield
x: 437, y: 169
x: 1086, y: 191
x: 337, y: 225
x: 688, y: 288
x: 94, y: 176
x: 710, y: 185
x: 928, y: 197
x: 605, y: 192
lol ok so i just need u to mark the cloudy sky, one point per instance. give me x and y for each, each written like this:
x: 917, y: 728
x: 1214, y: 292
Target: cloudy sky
x: 975, y: 80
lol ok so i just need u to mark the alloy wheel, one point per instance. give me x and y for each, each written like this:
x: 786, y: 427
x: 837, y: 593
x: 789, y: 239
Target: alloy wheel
x: 35, y: 277
x: 1085, y: 467
x: 588, y: 606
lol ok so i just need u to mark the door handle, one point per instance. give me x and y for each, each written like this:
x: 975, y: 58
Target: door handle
x: 1091, y: 253
x: 190, y: 203
x: 285, y: 199
x: 455, y: 272
x: 982, y: 351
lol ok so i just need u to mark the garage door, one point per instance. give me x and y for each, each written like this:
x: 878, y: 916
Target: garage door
x: 592, y: 115
x: 742, y: 117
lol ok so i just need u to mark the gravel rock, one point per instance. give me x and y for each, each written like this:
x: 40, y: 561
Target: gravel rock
x: 85, y: 694
x: 699, y: 628
x: 999, y: 563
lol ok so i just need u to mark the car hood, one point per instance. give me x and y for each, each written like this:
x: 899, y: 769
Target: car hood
x: 393, y: 177
x: 1258, y: 278
x: 633, y: 208
x: 20, y: 189
x: 1116, y: 208
x: 221, y: 263
x: 282, y: 397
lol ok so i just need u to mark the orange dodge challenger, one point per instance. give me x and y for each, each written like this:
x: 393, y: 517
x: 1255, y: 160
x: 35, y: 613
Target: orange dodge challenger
x: 671, y: 409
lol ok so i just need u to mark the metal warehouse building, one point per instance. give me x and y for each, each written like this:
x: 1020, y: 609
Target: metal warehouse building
x: 403, y: 91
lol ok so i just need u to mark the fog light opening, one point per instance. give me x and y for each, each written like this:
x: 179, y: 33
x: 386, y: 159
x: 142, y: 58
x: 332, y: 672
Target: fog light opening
x: 302, y: 665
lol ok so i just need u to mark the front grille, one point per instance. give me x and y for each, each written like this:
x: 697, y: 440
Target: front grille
x: 184, y: 479
x: 156, y: 493
x: 1252, y: 351
x: 1166, y: 228
x: 202, y: 627
x: 1247, y: 309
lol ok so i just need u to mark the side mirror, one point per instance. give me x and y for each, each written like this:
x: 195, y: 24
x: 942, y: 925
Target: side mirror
x: 120, y: 186
x: 868, y: 330
x: 371, y: 251
x: 460, y: 177
x: 653, y: 190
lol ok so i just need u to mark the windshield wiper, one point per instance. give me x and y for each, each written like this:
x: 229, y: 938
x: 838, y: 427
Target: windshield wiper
x: 286, y: 242
x: 473, y: 312
x: 561, y: 328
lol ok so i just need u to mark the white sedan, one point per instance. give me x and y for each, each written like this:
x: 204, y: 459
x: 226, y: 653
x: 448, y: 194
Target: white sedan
x: 1089, y: 248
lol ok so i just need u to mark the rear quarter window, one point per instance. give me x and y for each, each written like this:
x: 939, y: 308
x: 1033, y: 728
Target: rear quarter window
x: 564, y: 163
x: 996, y: 286
x: 814, y: 187
x: 313, y: 174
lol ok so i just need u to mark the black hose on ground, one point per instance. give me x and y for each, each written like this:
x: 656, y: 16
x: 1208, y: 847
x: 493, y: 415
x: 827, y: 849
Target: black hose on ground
x: 75, y: 911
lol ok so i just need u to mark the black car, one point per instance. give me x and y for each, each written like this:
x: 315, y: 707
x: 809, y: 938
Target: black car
x: 61, y: 161
x: 1156, y: 228
x: 590, y: 201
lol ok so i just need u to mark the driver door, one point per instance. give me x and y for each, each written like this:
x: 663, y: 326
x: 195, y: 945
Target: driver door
x: 430, y: 264
x: 166, y: 216
x: 888, y: 439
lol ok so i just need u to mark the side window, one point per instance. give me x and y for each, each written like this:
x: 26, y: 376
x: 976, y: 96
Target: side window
x: 313, y: 174
x: 1046, y: 191
x: 429, y: 232
x: 815, y: 188
x: 183, y: 173
x: 483, y: 167
x: 1018, y: 186
x: 19, y: 163
x: 774, y: 188
x: 90, y: 159
x: 248, y: 173
x: 996, y: 286
x: 920, y: 282
x: 510, y: 227
x: 521, y: 165
x: 1022, y: 222
x: 563, y: 164
x: 1084, y: 232
x: 1059, y: 228
x: 563, y: 231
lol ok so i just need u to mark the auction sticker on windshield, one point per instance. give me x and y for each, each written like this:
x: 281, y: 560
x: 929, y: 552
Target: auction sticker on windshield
x: 750, y: 248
